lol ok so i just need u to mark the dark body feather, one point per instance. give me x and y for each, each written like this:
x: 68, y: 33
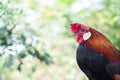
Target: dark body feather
x: 113, y: 69
x: 92, y: 63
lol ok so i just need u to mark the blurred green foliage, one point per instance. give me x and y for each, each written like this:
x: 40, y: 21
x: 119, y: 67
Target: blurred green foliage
x: 35, y: 31
x: 10, y: 38
x: 107, y: 20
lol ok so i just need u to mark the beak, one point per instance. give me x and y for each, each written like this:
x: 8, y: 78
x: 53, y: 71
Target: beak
x: 71, y: 24
x: 75, y: 34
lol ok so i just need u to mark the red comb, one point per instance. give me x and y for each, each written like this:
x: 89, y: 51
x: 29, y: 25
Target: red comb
x: 75, y: 27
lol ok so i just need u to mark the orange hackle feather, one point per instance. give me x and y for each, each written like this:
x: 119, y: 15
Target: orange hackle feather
x: 101, y: 44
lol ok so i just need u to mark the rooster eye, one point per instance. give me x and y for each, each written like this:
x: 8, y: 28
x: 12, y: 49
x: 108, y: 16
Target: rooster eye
x: 82, y: 30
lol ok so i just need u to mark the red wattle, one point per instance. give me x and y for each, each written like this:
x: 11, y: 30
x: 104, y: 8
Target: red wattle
x: 79, y: 39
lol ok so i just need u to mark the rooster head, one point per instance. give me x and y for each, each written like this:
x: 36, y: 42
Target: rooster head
x: 81, y: 31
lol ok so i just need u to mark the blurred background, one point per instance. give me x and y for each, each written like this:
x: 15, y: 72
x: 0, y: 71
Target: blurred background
x: 35, y: 38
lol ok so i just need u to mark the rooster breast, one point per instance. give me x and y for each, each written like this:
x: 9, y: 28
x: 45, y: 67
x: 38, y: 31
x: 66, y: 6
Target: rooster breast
x: 92, y: 63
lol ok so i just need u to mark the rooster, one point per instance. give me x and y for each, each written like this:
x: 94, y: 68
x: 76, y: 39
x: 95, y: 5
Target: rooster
x: 96, y: 56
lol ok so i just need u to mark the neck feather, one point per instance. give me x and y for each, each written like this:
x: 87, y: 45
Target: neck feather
x: 101, y: 44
